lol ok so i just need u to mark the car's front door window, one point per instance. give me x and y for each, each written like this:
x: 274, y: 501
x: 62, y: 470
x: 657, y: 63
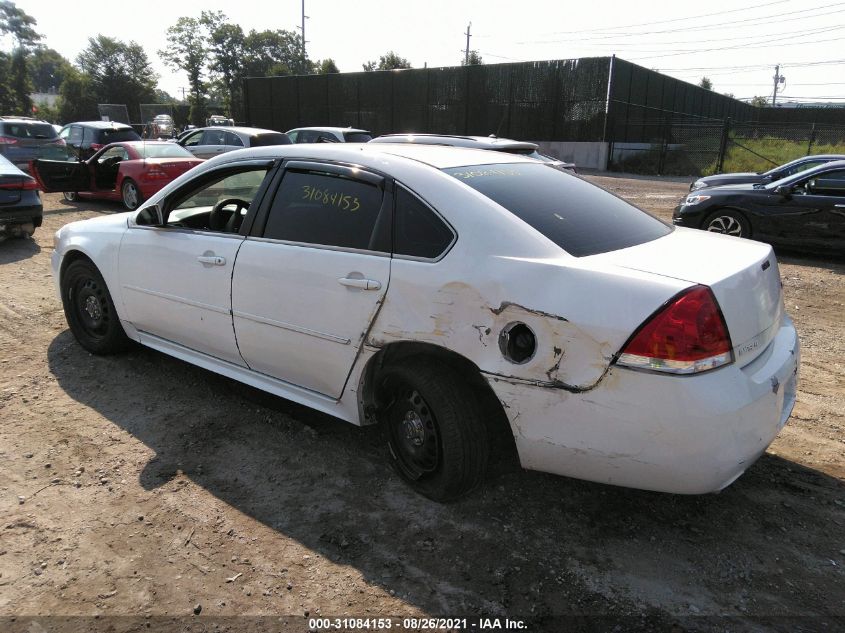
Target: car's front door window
x: 193, y: 139
x: 219, y: 205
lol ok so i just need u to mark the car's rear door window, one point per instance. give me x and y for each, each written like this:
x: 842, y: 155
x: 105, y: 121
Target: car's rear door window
x: 418, y: 231
x: 325, y: 209
x: 581, y: 218
x: 233, y: 139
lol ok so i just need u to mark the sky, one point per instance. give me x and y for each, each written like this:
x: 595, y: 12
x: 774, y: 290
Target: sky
x: 735, y: 44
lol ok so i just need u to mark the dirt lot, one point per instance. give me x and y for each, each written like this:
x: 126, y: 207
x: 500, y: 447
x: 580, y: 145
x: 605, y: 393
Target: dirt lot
x: 138, y: 485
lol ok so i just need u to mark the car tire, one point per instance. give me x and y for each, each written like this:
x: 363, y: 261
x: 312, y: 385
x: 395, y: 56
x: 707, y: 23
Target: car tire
x: 727, y: 222
x: 434, y: 429
x: 90, y: 311
x: 130, y: 194
x: 70, y: 196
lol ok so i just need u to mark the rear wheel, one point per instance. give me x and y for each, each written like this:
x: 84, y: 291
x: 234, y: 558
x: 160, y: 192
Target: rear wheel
x: 89, y: 309
x: 434, y: 428
x: 70, y: 196
x: 728, y: 222
x: 131, y: 194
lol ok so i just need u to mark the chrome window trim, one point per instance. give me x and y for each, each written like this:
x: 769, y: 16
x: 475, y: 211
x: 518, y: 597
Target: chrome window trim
x: 182, y: 229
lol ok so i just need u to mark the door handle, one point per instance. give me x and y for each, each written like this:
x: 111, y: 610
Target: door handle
x: 214, y: 260
x: 363, y: 284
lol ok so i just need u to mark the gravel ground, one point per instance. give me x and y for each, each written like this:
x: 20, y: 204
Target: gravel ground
x: 141, y: 486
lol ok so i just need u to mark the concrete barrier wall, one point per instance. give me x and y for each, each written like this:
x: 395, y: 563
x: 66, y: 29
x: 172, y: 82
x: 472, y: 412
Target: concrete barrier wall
x: 588, y: 155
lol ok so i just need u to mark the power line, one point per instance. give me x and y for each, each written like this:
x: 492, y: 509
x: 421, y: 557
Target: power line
x: 691, y: 17
x: 762, y: 21
x: 766, y: 44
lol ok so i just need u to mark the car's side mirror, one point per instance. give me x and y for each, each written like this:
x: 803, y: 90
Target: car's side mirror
x: 784, y: 190
x: 150, y: 216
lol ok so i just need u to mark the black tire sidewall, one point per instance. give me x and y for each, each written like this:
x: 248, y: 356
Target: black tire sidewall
x: 462, y: 433
x: 113, y: 339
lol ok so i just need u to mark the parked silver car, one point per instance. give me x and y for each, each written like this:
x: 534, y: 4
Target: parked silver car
x: 207, y: 142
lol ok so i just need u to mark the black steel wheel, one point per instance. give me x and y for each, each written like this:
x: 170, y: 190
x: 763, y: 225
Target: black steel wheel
x: 728, y: 222
x: 433, y: 424
x: 90, y: 311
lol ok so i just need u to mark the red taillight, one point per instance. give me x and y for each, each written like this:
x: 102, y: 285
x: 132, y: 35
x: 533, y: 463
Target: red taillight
x: 8, y: 140
x: 687, y: 336
x: 58, y: 141
x: 19, y: 184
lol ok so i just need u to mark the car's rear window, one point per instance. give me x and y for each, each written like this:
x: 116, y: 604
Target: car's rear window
x: 168, y: 150
x: 357, y: 137
x: 581, y: 218
x: 115, y: 136
x: 270, y: 138
x: 30, y: 130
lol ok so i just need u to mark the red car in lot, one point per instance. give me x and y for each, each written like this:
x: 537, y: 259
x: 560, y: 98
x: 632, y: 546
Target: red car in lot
x: 129, y: 172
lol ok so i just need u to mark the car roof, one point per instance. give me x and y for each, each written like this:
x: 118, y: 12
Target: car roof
x: 21, y: 119
x: 339, y: 130
x: 100, y: 125
x: 375, y: 155
x: 240, y: 129
x: 481, y: 142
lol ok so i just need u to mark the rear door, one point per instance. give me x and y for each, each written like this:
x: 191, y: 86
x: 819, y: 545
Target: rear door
x: 309, y: 280
x: 60, y: 175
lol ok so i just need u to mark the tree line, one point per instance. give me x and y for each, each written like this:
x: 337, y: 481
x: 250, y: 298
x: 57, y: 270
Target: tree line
x: 215, y: 54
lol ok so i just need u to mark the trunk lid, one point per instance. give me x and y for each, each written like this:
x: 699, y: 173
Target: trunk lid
x: 174, y: 167
x: 742, y: 274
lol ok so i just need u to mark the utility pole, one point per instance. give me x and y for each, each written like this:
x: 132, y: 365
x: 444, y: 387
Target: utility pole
x: 779, y: 79
x: 302, y: 28
x: 466, y: 52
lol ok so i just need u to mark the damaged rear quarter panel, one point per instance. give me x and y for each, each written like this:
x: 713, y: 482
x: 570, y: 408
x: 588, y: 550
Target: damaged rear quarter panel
x: 579, y: 316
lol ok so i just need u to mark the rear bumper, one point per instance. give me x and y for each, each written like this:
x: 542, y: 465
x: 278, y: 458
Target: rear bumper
x: 678, y: 434
x: 25, y: 212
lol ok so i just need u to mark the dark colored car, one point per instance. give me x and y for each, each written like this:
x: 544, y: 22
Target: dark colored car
x: 86, y: 138
x: 494, y: 143
x: 806, y: 210
x: 20, y: 202
x: 765, y: 177
x: 207, y: 142
x: 23, y: 139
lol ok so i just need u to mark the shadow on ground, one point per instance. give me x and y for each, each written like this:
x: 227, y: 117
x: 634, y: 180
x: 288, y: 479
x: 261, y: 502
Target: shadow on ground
x: 528, y: 543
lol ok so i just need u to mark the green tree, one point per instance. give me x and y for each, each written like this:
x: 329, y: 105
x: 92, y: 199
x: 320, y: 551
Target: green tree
x: 21, y: 27
x: 15, y: 22
x: 188, y: 51
x: 326, y: 67
x: 474, y: 59
x: 7, y: 101
x: 760, y: 102
x: 227, y: 48
x: 705, y: 83
x: 390, y: 61
x: 119, y: 72
x: 77, y: 101
x: 272, y: 53
x: 47, y: 68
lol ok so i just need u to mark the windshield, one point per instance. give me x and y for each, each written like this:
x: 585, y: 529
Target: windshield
x: 164, y: 150
x: 123, y: 134
x: 358, y: 137
x: 269, y: 138
x: 581, y: 218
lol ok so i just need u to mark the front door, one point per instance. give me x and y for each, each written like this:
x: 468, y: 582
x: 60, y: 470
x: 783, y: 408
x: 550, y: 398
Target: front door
x: 176, y: 278
x: 62, y: 175
x: 308, y: 286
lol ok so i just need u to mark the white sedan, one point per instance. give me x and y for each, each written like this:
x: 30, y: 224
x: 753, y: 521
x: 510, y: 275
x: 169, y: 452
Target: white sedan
x: 458, y: 298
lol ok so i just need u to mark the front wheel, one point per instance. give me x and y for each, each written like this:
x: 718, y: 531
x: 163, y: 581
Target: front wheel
x: 89, y: 309
x: 434, y: 428
x: 728, y: 222
x: 131, y: 194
